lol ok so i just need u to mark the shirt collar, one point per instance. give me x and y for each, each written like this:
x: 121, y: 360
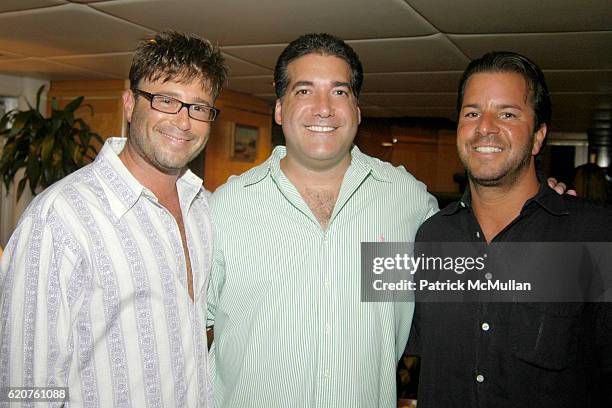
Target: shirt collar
x: 456, y: 206
x: 547, y: 198
x: 550, y: 200
x: 123, y: 189
x: 372, y: 165
x: 272, y: 166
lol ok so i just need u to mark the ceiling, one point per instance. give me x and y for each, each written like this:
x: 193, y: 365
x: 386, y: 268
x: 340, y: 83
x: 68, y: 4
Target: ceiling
x: 413, y: 51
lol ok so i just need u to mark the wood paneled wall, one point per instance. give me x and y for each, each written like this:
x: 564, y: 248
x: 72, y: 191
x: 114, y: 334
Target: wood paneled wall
x: 429, y: 153
x: 242, y: 109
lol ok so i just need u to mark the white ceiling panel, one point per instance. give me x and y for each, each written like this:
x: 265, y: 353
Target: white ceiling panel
x: 251, y: 85
x: 46, y: 69
x: 66, y: 30
x: 273, y: 21
x: 116, y: 65
x: 435, y: 53
x: 412, y: 82
x: 541, y: 16
x: 262, y: 55
x: 13, y: 5
x: 239, y: 67
x: 9, y: 55
x: 413, y: 51
x: 587, y: 50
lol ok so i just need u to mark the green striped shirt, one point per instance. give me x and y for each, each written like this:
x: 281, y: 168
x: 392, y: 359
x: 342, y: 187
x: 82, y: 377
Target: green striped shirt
x: 284, y: 294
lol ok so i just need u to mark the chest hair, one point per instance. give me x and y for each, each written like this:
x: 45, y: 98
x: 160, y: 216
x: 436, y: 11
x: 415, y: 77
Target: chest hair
x: 321, y: 203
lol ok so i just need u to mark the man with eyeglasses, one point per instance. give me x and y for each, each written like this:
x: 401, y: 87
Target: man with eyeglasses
x: 103, y: 281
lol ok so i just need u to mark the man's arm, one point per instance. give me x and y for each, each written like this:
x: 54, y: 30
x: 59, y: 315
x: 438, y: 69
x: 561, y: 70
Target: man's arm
x: 40, y: 286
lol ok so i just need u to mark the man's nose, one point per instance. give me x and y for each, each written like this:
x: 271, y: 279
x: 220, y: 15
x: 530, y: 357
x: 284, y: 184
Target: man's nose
x: 182, y: 119
x: 487, y: 124
x: 323, y: 106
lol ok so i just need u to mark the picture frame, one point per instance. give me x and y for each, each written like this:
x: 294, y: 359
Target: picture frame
x: 244, y: 140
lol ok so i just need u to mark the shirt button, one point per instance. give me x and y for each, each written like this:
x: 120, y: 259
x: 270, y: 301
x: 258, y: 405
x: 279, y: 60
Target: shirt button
x: 462, y: 204
x: 327, y: 283
x: 488, y: 275
x: 477, y: 234
x: 480, y: 378
x: 327, y: 328
x: 326, y: 375
x: 325, y: 237
x: 485, y: 326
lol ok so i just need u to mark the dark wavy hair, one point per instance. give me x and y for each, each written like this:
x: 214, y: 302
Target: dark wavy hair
x: 171, y: 55
x: 323, y: 44
x: 504, y: 61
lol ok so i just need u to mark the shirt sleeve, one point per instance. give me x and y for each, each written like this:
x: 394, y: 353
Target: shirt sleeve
x: 41, y: 286
x: 432, y: 207
x: 413, y: 347
x: 216, y: 281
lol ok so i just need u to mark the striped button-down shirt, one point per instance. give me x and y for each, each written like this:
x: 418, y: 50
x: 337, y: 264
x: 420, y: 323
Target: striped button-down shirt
x: 94, y: 292
x: 284, y: 295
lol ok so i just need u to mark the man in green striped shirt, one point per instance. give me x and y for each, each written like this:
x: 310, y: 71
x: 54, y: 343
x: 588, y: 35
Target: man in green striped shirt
x: 284, y: 295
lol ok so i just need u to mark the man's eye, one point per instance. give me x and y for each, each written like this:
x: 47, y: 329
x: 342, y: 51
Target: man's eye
x: 508, y: 115
x: 302, y: 92
x: 166, y: 101
x: 471, y: 115
x: 199, y: 108
x: 340, y: 92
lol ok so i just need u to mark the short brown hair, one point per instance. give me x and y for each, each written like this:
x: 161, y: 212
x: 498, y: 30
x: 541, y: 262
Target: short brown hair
x: 322, y: 44
x: 170, y: 55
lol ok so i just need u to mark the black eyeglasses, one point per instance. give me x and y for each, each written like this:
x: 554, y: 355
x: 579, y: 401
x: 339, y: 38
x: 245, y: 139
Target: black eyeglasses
x: 168, y: 104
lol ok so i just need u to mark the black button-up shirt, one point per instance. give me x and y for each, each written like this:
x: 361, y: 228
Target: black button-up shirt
x: 516, y: 354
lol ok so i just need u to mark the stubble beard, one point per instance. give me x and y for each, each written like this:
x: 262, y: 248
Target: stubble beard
x: 156, y: 157
x: 507, y: 175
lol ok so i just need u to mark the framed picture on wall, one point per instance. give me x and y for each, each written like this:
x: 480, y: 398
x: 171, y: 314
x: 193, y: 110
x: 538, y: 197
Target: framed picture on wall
x: 244, y: 142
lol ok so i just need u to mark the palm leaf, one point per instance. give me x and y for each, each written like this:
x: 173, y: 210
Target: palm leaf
x: 47, y: 147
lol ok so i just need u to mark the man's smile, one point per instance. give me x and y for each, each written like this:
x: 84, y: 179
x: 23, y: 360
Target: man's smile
x: 488, y: 149
x: 321, y: 129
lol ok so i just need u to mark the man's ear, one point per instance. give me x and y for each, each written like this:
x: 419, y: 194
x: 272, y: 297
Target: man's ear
x: 128, y: 104
x: 278, y: 117
x: 538, y: 139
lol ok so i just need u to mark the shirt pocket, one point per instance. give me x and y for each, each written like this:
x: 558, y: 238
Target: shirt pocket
x: 545, y: 334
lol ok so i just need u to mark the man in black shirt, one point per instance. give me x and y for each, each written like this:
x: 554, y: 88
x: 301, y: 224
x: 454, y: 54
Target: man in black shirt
x: 512, y: 354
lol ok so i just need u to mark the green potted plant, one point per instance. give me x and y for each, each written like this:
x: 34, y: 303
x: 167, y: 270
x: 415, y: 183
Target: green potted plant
x: 48, y: 148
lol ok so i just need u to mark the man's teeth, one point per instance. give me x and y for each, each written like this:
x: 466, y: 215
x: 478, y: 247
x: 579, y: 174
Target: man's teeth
x: 320, y: 128
x: 488, y: 149
x: 178, y: 139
